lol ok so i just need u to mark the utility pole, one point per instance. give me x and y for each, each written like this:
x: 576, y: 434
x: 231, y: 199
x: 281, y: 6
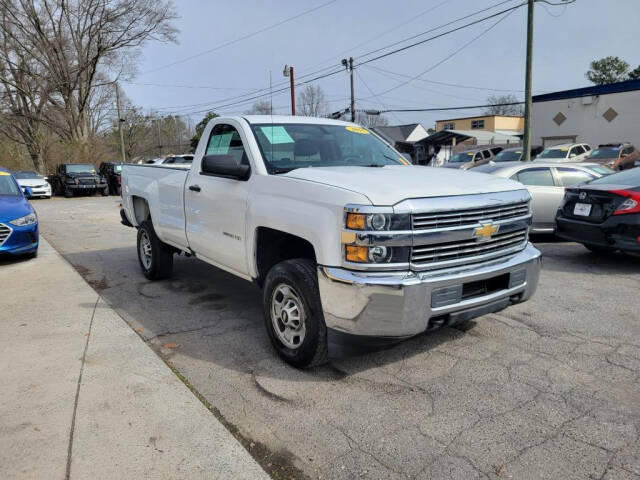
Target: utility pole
x: 526, y: 144
x: 349, y: 65
x: 120, y: 120
x: 288, y: 72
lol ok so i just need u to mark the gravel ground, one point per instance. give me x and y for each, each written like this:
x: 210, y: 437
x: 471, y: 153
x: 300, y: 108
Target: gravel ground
x: 544, y: 389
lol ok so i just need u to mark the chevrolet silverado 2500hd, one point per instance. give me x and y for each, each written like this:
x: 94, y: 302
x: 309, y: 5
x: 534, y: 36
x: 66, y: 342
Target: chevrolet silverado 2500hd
x: 345, y: 238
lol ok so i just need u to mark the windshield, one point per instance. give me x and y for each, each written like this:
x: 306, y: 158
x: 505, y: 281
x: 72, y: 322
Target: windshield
x: 607, y: 152
x: 628, y: 178
x: 26, y: 175
x: 461, y: 157
x: 508, y: 156
x: 81, y: 168
x: 8, y: 185
x: 286, y: 147
x: 553, y: 153
x: 600, y: 169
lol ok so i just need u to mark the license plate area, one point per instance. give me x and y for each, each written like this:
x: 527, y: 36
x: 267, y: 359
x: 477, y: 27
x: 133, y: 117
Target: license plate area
x: 453, y: 294
x: 582, y: 209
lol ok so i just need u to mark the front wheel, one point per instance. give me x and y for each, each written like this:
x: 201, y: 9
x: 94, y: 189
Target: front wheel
x: 293, y: 313
x: 68, y: 193
x: 155, y: 257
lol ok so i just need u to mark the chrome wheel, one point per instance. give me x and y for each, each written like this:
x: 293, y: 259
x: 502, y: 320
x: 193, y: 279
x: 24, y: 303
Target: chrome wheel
x: 288, y: 316
x: 144, y: 250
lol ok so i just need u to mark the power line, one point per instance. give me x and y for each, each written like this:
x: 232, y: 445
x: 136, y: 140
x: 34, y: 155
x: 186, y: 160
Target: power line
x: 448, y: 32
x: 244, y: 37
x: 443, y: 83
x: 455, y: 52
x: 442, y: 109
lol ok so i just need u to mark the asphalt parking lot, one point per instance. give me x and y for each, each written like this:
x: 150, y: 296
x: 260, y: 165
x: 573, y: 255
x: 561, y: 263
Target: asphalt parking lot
x: 545, y: 389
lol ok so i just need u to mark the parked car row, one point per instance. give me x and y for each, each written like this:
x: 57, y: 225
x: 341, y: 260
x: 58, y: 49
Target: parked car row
x: 617, y: 156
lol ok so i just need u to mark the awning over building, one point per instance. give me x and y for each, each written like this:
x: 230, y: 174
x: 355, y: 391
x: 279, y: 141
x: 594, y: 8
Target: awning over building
x: 446, y: 137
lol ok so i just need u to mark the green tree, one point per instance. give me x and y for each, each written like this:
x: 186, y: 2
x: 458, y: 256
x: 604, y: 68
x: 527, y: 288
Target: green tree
x: 635, y: 74
x: 200, y: 128
x: 608, y: 70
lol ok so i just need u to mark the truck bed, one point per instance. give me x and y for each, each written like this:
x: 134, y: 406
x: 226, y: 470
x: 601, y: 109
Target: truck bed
x: 163, y: 187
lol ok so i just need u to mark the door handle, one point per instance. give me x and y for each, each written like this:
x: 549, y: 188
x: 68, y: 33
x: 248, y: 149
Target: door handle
x: 194, y: 188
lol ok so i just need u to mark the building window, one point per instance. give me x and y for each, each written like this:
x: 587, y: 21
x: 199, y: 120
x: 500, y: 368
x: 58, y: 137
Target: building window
x: 449, y: 126
x: 477, y: 124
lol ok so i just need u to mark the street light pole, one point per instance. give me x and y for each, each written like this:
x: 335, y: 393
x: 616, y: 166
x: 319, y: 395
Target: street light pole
x: 288, y: 72
x: 526, y: 144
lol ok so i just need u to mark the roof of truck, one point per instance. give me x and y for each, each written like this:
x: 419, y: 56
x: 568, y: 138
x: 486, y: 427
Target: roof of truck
x: 262, y: 119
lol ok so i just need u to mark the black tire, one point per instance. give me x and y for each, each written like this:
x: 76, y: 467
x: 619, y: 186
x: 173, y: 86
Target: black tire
x: 160, y: 263
x: 68, y: 193
x: 599, y: 249
x: 299, y: 275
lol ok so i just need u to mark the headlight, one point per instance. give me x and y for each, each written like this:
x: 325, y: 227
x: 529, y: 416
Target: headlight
x: 26, y: 220
x: 377, y: 221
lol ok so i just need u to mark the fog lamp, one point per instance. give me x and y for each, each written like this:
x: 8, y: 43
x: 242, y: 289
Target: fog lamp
x: 378, y: 254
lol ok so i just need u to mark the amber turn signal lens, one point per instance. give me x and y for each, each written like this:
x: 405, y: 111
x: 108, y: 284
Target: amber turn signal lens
x: 356, y: 253
x: 355, y: 221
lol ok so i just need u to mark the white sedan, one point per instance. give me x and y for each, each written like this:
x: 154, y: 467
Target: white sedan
x: 37, y: 184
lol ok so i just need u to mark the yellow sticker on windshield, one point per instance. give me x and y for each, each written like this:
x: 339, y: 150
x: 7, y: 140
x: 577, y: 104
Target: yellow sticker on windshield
x: 403, y: 161
x: 364, y: 131
x: 470, y: 154
x: 564, y: 149
x: 5, y: 174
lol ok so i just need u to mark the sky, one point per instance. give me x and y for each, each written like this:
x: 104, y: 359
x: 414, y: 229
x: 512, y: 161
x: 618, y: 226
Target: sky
x: 479, y: 60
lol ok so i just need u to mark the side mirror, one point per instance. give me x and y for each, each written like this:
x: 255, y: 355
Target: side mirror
x: 224, y: 166
x: 571, y: 155
x: 28, y: 192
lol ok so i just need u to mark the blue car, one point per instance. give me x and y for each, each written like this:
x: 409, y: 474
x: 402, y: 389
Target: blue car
x: 18, y: 219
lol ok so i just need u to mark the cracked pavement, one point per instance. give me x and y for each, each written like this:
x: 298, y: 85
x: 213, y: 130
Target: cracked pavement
x: 545, y: 389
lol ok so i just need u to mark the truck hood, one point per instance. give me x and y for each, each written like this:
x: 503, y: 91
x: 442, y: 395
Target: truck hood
x: 393, y: 183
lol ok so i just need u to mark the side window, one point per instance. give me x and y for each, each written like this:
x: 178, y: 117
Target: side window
x: 170, y: 160
x: 225, y: 140
x: 536, y: 176
x: 577, y: 150
x: 486, y: 153
x: 571, y: 176
x: 627, y: 151
x: 478, y: 157
x: 586, y: 147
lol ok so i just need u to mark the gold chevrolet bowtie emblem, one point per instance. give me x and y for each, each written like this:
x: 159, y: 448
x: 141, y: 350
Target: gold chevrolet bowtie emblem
x: 484, y: 232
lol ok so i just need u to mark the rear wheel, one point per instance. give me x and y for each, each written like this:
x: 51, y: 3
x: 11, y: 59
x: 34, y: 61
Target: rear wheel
x: 105, y: 192
x: 293, y: 313
x: 68, y: 193
x: 155, y: 257
x: 600, y: 250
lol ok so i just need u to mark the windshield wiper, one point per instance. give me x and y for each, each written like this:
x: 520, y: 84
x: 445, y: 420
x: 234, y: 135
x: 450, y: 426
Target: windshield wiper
x: 277, y: 170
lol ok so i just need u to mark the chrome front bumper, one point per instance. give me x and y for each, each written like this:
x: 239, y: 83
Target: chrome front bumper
x: 401, y: 304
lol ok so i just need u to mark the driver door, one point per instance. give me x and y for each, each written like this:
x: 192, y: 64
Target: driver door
x: 215, y: 206
x: 545, y: 195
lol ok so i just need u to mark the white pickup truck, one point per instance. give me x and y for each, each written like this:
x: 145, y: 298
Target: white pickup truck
x: 347, y: 240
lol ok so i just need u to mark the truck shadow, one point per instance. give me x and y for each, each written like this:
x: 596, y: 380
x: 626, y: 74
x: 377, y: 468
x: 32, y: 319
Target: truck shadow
x: 215, y: 317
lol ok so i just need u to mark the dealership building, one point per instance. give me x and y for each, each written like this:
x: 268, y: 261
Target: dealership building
x: 599, y: 114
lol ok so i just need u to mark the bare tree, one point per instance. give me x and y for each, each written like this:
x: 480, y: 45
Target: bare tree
x: 58, y: 52
x: 260, y: 108
x: 497, y: 107
x: 311, y: 101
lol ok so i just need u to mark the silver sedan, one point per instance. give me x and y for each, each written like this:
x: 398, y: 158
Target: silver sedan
x: 546, y: 183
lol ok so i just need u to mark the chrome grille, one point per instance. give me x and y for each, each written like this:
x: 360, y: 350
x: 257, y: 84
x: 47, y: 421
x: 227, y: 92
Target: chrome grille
x: 4, y: 233
x: 424, y: 221
x: 443, y: 254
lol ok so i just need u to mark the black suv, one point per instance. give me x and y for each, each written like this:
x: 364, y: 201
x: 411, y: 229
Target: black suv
x: 111, y: 171
x: 73, y: 178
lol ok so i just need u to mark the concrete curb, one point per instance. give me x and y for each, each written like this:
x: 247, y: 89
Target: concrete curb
x: 85, y: 397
